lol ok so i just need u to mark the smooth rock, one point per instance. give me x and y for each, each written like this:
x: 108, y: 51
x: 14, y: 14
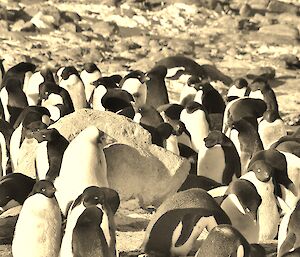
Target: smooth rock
x: 267, y: 72
x: 3, y: 25
x: 282, y: 7
x: 70, y: 16
x: 184, y: 47
x: 280, y: 30
x: 69, y: 26
x: 152, y: 173
x: 105, y: 29
x: 246, y: 10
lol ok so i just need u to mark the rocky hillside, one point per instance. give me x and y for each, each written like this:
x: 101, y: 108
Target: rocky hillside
x: 261, y: 36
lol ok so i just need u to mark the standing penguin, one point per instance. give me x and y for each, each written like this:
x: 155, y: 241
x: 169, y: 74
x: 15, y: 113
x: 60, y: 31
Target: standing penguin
x: 49, y: 153
x: 195, y: 119
x: 72, y: 82
x: 38, y: 229
x: 37, y: 78
x: 83, y: 165
x: 219, y: 159
x: 238, y: 89
x: 90, y: 228
x: 180, y: 219
x: 157, y: 93
x: 56, y: 99
x: 225, y: 240
x: 32, y: 118
x: 13, y: 100
x: 88, y: 75
x: 135, y: 84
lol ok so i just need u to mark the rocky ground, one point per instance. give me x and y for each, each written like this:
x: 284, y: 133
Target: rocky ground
x: 237, y: 38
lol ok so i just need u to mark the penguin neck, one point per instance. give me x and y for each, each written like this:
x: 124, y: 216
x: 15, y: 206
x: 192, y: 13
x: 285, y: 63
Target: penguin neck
x: 270, y: 99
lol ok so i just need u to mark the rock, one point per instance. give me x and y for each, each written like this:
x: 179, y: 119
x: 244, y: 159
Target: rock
x: 105, y: 29
x: 152, y: 173
x: 246, y: 10
x: 43, y: 22
x: 282, y: 7
x: 125, y: 32
x: 246, y: 25
x: 290, y: 61
x: 267, y: 72
x: 185, y: 47
x: 279, y: 32
x: 69, y: 26
x: 70, y: 16
x: 3, y: 25
x: 210, y: 4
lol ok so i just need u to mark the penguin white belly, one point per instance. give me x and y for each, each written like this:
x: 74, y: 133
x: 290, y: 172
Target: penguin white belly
x: 27, y: 77
x: 184, y: 249
x: 268, y: 215
x: 4, y: 101
x: 271, y: 132
x: 99, y: 92
x: 42, y: 160
x: 53, y: 99
x: 211, y: 163
x: 234, y: 137
x: 81, y: 169
x: 54, y: 113
x: 15, y: 147
x: 32, y: 91
x: 38, y: 229
x: 234, y: 91
x: 172, y: 144
x: 4, y: 157
x: 198, y: 97
x: 283, y: 229
x: 256, y: 94
x: 242, y: 222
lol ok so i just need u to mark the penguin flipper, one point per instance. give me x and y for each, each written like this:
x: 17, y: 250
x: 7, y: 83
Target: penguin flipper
x: 287, y: 244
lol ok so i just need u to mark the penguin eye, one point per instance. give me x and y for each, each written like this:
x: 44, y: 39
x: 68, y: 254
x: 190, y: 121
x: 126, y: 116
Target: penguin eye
x: 247, y: 210
x: 7, y: 197
x: 43, y: 189
x: 96, y: 198
x: 258, y: 170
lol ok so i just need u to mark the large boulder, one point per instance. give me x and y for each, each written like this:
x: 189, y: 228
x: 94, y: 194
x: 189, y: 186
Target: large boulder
x: 282, y: 7
x: 137, y: 169
x: 279, y: 33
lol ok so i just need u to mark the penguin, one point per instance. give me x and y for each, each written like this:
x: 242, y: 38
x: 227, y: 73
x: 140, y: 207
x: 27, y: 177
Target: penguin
x: 59, y: 74
x: 238, y: 89
x: 179, y: 220
x: 294, y: 253
x: 225, y: 240
x: 242, y: 108
x: 148, y: 115
x: 13, y: 100
x: 288, y: 144
x: 157, y: 93
x: 84, y: 163
x: 90, y: 228
x: 72, y: 82
x: 102, y: 85
x: 32, y: 118
x: 135, y: 84
x: 21, y: 71
x: 246, y: 140
x: 37, y: 78
x: 15, y: 187
x: 268, y: 213
x: 49, y: 153
x: 288, y: 238
x: 285, y: 179
x: 88, y: 75
x: 219, y: 159
x: 2, y: 71
x: 56, y: 99
x: 195, y: 119
x: 6, y: 131
x: 240, y: 202
x: 38, y: 229
x: 195, y: 181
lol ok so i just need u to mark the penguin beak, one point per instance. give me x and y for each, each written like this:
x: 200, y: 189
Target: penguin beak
x: 146, y: 78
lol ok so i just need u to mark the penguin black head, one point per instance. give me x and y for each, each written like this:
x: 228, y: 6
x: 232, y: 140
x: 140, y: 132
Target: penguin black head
x: 240, y: 83
x: 136, y: 74
x: 90, y: 67
x: 179, y: 128
x: 158, y: 71
x: 149, y: 115
x: 193, y: 80
x: 47, y: 74
x: 47, y: 88
x: 214, y: 137
x: 247, y: 195
x: 271, y: 115
x: 194, y: 106
x: 68, y: 71
x: 44, y: 187
x: 108, y: 82
x: 46, y: 135
x: 34, y: 123
x: 93, y: 195
x: 262, y: 170
x: 259, y: 83
x: 172, y: 111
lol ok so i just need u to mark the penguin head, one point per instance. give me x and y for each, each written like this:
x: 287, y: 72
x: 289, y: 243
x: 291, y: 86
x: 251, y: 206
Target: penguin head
x: 47, y: 74
x: 170, y: 111
x: 260, y: 83
x: 214, y: 137
x: 46, y: 135
x: 47, y: 88
x: 93, y: 135
x: 179, y: 128
x: 159, y: 71
x: 71, y: 74
x: 108, y: 82
x: 192, y: 107
x: 147, y: 115
x: 116, y: 99
x: 262, y: 170
x: 245, y: 197
x: 34, y: 122
x: 90, y: 67
x: 240, y: 83
x: 45, y: 188
x: 135, y: 75
x: 271, y: 115
x: 165, y: 130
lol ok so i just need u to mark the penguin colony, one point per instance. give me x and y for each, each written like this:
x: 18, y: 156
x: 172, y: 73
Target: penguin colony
x: 242, y: 190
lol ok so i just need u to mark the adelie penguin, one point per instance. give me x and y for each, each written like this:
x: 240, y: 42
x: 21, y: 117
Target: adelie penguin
x: 38, y: 229
x: 135, y: 84
x: 90, y: 228
x: 180, y: 219
x: 71, y: 81
x: 84, y: 163
x: 56, y: 99
x: 218, y: 159
x: 226, y: 240
x: 13, y: 100
x: 157, y: 93
x: 49, y: 153
x: 21, y: 72
x: 90, y: 74
x: 31, y: 119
